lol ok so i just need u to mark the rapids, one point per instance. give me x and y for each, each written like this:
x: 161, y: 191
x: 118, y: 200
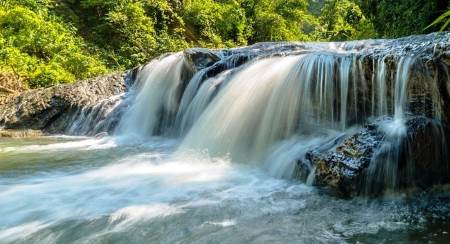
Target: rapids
x: 84, y: 190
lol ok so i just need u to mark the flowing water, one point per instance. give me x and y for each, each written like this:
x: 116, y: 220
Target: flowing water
x: 84, y: 190
x: 210, y: 158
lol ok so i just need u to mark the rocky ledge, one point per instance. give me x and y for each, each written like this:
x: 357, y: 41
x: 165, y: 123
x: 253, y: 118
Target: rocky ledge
x: 49, y: 109
x: 381, y: 156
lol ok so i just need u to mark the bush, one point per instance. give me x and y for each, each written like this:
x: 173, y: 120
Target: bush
x: 42, y: 50
x: 47, y: 42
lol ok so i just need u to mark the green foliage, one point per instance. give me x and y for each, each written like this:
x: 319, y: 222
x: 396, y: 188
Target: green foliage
x: 395, y: 18
x: 344, y: 20
x: 283, y: 20
x: 217, y: 24
x: 444, y: 19
x: 42, y: 50
x: 47, y: 42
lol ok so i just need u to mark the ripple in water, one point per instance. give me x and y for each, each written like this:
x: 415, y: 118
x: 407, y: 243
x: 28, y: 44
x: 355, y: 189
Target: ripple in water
x: 84, y: 190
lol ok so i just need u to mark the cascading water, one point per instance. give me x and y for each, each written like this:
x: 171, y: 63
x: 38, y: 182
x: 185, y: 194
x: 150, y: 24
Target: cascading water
x: 205, y: 145
x: 157, y: 99
x: 251, y: 110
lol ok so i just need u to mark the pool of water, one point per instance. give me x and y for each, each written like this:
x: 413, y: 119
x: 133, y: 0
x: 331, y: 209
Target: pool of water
x: 117, y: 190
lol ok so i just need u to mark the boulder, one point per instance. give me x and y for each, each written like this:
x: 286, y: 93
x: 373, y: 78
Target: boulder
x: 379, y: 157
x: 200, y: 58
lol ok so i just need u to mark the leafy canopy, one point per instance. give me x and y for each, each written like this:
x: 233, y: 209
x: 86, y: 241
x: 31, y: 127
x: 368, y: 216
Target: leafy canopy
x: 47, y: 42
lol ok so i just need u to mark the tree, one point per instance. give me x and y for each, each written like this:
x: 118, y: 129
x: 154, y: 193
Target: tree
x: 41, y: 50
x: 343, y: 20
x: 395, y: 18
x: 217, y: 24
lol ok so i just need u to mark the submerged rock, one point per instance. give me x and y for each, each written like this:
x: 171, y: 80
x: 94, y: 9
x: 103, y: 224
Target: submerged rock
x: 381, y: 156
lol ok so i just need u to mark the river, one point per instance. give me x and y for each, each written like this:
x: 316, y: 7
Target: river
x: 116, y: 190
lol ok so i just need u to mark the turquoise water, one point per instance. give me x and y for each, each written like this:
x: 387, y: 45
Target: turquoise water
x: 115, y: 190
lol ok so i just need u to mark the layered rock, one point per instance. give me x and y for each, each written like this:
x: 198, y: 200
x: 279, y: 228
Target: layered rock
x: 53, y: 109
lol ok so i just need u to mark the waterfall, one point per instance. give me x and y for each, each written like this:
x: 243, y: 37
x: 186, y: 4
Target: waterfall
x: 401, y: 82
x: 268, y: 106
x: 245, y: 112
x: 275, y: 98
x: 157, y: 88
x: 384, y: 167
x: 233, y: 119
x: 198, y: 144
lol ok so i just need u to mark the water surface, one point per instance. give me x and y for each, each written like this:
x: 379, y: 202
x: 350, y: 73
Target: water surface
x: 116, y: 190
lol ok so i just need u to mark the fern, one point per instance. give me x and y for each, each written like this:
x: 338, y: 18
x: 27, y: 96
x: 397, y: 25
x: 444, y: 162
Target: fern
x: 444, y: 17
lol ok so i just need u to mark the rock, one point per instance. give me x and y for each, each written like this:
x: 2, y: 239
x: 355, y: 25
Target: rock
x: 200, y: 58
x: 341, y: 165
x: 20, y: 133
x: 378, y: 158
x: 47, y: 109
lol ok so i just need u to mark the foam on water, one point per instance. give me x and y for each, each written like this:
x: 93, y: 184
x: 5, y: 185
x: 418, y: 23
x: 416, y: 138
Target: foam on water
x: 148, y: 194
x: 83, y: 144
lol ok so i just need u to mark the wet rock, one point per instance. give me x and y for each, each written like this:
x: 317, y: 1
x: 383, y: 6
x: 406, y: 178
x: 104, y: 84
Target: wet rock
x: 46, y: 108
x: 424, y: 156
x: 378, y: 158
x: 20, y: 133
x: 342, y: 165
x: 200, y: 58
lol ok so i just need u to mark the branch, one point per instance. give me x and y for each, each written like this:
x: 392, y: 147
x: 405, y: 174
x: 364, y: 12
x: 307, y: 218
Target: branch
x: 15, y: 72
x: 7, y: 90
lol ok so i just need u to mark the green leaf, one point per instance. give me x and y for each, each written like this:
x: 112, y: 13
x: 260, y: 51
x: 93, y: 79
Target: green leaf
x: 439, y: 19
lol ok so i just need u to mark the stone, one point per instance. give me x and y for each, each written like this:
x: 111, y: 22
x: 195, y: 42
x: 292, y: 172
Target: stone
x: 355, y: 164
x: 20, y: 133
x: 43, y: 108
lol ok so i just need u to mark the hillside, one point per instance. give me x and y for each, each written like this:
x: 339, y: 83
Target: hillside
x: 47, y: 42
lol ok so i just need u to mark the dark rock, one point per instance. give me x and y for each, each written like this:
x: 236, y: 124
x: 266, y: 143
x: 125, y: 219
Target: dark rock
x: 200, y: 58
x: 424, y: 157
x: 341, y: 166
x: 375, y: 159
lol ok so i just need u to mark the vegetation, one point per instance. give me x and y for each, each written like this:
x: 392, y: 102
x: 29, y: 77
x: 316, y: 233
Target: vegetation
x: 394, y: 18
x: 46, y: 42
x: 444, y: 19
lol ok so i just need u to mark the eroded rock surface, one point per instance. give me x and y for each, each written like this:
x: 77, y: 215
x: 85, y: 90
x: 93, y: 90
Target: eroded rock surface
x: 20, y: 133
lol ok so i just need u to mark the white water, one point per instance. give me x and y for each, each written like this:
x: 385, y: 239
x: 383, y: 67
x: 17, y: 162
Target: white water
x: 78, y: 191
x: 249, y: 112
x: 157, y: 86
x: 231, y: 122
